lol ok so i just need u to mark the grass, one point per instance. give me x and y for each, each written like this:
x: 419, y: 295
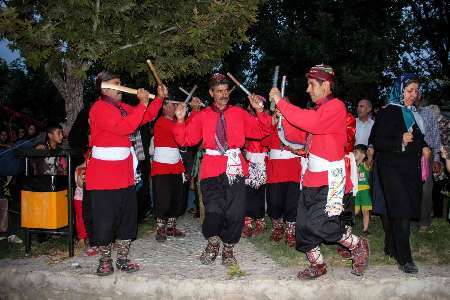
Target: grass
x: 235, y: 271
x: 430, y: 248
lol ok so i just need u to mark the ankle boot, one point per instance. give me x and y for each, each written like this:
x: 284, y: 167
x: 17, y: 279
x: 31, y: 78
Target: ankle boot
x: 105, y: 266
x: 211, y: 251
x: 260, y: 226
x: 122, y: 262
x: 317, y: 266
x: 277, y: 230
x: 248, y: 227
x: 172, y: 229
x: 290, y: 234
x: 228, y: 258
x: 161, y: 235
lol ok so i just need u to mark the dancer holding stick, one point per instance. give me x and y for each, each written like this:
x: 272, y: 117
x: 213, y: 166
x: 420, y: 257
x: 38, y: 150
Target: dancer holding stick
x: 222, y: 128
x: 110, y: 171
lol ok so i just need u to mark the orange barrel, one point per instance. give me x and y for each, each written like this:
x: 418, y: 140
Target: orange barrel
x: 44, y: 202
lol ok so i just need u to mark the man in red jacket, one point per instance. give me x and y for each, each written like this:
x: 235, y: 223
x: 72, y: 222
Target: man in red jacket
x: 321, y: 201
x: 167, y: 173
x: 110, y: 171
x: 223, y: 129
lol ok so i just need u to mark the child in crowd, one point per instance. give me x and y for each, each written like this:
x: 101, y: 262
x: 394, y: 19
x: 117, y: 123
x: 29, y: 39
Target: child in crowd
x: 82, y: 235
x: 363, y: 201
x: 80, y: 172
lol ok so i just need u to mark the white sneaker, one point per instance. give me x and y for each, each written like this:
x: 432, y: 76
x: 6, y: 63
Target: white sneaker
x: 14, y: 239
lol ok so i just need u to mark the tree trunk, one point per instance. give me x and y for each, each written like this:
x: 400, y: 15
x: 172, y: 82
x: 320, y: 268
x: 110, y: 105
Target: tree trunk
x: 70, y: 86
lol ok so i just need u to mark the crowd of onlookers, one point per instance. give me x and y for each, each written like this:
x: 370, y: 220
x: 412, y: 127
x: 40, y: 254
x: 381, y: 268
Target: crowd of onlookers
x: 434, y: 187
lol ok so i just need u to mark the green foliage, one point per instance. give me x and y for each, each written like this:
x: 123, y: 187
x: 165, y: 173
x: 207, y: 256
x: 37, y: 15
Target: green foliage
x: 234, y: 271
x: 184, y: 37
x: 358, y: 38
x: 426, y: 46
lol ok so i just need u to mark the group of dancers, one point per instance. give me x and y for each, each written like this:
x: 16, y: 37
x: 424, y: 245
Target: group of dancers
x: 250, y: 157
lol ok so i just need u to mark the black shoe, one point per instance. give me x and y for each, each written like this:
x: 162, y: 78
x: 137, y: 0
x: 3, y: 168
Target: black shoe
x: 409, y: 268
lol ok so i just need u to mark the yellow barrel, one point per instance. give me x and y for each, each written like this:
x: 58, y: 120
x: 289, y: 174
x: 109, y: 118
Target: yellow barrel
x: 44, y: 210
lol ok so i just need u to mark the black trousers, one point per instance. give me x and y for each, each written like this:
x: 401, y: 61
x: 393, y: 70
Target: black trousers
x: 114, y: 215
x: 225, y: 206
x: 397, y: 233
x: 256, y: 200
x: 168, y: 195
x: 348, y: 215
x: 282, y: 200
x: 314, y: 226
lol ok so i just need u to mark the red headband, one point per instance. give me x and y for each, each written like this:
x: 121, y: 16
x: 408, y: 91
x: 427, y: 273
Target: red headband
x: 321, y: 72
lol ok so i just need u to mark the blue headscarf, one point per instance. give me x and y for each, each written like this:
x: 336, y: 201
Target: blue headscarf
x: 396, y: 97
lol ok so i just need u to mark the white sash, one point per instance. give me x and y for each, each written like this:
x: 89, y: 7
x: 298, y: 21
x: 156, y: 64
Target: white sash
x: 336, y: 182
x: 256, y: 157
x: 234, y: 165
x: 281, y: 154
x: 166, y: 155
x: 116, y: 154
x: 256, y: 169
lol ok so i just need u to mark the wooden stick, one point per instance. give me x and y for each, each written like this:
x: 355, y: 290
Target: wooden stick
x: 187, y: 94
x: 154, y: 72
x: 121, y: 88
x: 239, y: 84
x: 191, y: 93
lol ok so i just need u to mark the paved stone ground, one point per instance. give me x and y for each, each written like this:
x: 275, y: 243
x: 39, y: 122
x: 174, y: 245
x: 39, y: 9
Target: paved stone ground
x: 175, y: 262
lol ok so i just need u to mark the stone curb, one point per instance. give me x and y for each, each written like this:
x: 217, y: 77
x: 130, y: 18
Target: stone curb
x: 20, y: 284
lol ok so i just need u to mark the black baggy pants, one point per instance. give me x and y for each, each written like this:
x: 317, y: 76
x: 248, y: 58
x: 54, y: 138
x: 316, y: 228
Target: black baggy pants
x: 282, y: 200
x: 113, y: 215
x: 168, y: 195
x: 225, y: 206
x: 314, y: 226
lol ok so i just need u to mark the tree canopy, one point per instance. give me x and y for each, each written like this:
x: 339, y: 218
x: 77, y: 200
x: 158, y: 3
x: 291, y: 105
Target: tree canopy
x: 68, y: 37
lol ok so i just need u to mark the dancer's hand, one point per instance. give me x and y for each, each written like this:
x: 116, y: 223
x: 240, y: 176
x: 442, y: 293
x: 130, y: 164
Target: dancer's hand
x: 275, y: 95
x: 162, y: 92
x: 143, y: 96
x: 180, y: 112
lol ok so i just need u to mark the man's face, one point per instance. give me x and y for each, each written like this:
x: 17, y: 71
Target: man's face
x: 169, y: 109
x: 116, y: 95
x: 56, y: 136
x: 317, y: 90
x: 31, y: 130
x: 3, y: 137
x: 220, y: 93
x: 21, y: 133
x: 363, y: 109
x: 411, y: 93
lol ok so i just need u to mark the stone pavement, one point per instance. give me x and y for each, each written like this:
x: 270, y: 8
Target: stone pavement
x: 171, y: 270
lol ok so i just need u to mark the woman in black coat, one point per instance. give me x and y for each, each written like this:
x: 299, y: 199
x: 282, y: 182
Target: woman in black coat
x: 399, y: 142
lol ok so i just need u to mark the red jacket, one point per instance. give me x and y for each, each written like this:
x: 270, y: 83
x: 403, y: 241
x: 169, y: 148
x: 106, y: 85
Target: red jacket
x: 327, y: 126
x: 202, y: 126
x: 110, y: 129
x: 284, y: 170
x: 163, y: 137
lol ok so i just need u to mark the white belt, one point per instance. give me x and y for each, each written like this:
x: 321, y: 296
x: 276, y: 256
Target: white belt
x: 281, y: 154
x: 116, y: 154
x: 319, y: 164
x: 234, y: 165
x: 166, y: 155
x: 256, y: 157
x: 336, y: 181
x: 111, y: 153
